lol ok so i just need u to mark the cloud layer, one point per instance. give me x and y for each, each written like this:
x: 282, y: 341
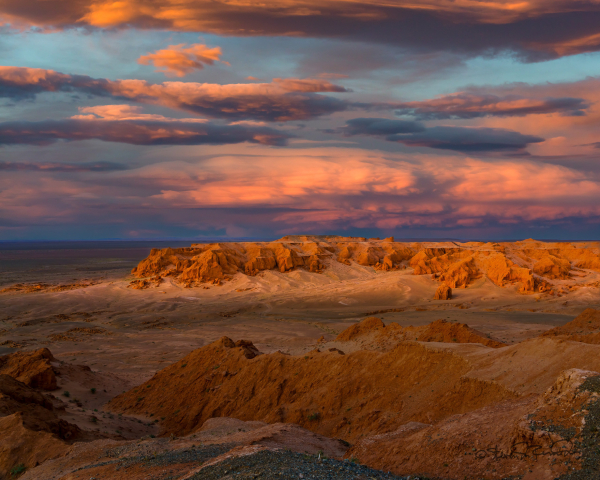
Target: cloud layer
x: 466, y: 105
x: 135, y: 132
x: 535, y: 29
x: 314, y: 190
x: 280, y: 100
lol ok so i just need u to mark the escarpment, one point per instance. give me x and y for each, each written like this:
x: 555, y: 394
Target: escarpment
x: 529, y: 267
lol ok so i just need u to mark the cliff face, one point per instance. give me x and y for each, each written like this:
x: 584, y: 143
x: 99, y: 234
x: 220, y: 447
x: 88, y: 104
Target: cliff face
x: 532, y: 266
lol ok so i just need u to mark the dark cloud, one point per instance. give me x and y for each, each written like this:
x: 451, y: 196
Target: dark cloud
x: 470, y: 105
x: 61, y: 167
x: 20, y: 83
x: 280, y: 100
x: 538, y: 29
x: 136, y: 132
x: 462, y: 139
x: 378, y: 126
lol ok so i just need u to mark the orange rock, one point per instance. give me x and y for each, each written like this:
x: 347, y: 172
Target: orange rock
x: 366, y: 326
x: 552, y: 267
x: 20, y: 445
x: 584, y: 328
x: 372, y: 331
x: 505, y: 440
x: 444, y: 292
x: 458, y: 265
x: 31, y: 431
x: 31, y: 368
x: 145, y: 283
x: 316, y: 391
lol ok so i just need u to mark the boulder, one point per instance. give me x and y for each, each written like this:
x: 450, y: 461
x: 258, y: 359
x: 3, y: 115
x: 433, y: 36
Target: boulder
x: 444, y: 292
x: 31, y: 368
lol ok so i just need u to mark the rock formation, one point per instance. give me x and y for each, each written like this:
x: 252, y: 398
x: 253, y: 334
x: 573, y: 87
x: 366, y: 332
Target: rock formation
x: 585, y: 328
x: 372, y: 332
x: 31, y: 430
x: 531, y: 266
x: 31, y: 368
x: 344, y: 396
x: 538, y: 435
x: 444, y: 292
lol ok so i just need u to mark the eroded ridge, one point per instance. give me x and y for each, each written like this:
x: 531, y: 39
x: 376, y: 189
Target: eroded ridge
x: 532, y: 266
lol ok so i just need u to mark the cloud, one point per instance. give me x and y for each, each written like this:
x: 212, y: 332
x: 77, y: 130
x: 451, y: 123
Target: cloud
x: 136, y: 132
x: 312, y: 190
x: 179, y: 60
x: 461, y: 139
x: 61, y: 167
x: 280, y: 100
x: 126, y: 112
x: 379, y: 126
x: 468, y: 139
x: 536, y: 29
x: 465, y: 105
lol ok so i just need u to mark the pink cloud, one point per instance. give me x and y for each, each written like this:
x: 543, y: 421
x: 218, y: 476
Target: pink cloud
x: 310, y: 189
x: 127, y: 112
x: 179, y: 60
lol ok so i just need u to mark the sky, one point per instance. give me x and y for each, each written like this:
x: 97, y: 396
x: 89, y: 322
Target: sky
x: 192, y: 119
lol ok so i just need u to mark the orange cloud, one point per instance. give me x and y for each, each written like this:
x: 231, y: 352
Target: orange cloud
x: 336, y: 184
x: 280, y: 100
x: 310, y: 189
x: 179, y: 60
x: 128, y: 112
x: 528, y: 27
x: 137, y: 130
x: 472, y: 105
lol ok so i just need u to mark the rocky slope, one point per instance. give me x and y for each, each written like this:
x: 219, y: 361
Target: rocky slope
x: 532, y: 266
x: 445, y: 406
x: 449, y: 412
x: 534, y: 437
x: 346, y: 396
x: 585, y: 328
x: 372, y: 332
x: 32, y: 432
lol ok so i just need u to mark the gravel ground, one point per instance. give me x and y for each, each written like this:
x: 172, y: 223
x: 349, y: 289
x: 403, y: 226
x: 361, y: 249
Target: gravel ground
x: 197, y: 455
x: 288, y: 465
x: 589, y: 442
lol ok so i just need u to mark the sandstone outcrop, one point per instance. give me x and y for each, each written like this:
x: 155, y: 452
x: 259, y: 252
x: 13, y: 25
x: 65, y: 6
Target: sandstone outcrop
x: 31, y: 430
x: 531, y: 266
x: 444, y: 292
x: 31, y: 368
x: 543, y: 437
x: 143, y: 284
x: 372, y: 331
x: 585, y: 328
x: 344, y: 396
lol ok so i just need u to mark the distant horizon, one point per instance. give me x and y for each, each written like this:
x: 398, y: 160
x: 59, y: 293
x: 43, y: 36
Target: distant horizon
x: 253, y: 239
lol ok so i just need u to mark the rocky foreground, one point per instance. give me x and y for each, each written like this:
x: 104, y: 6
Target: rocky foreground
x: 378, y: 401
x: 535, y: 267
